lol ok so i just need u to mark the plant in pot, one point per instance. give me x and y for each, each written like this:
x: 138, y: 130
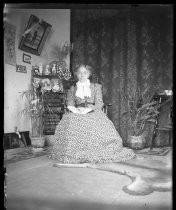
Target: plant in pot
x: 34, y: 107
x: 59, y: 52
x: 140, y: 110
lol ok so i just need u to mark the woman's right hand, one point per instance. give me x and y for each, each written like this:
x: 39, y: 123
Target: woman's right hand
x: 73, y: 109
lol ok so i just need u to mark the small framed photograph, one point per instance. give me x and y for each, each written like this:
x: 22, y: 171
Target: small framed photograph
x: 35, y: 70
x: 26, y: 58
x: 21, y: 69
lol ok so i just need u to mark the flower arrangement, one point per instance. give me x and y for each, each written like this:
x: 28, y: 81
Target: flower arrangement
x: 64, y: 73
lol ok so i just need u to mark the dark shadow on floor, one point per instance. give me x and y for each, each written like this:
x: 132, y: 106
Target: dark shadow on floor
x: 39, y: 204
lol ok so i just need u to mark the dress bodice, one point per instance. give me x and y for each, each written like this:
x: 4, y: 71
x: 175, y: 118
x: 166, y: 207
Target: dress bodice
x: 95, y: 100
x: 90, y: 99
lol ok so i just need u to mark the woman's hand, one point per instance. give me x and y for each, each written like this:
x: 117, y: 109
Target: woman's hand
x: 73, y: 109
x: 83, y: 110
x: 80, y: 110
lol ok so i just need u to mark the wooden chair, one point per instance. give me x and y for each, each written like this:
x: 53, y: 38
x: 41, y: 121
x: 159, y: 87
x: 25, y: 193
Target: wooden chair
x: 94, y: 78
x: 167, y: 127
x: 105, y: 108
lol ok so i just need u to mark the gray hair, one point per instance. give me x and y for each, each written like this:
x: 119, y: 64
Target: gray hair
x: 87, y: 67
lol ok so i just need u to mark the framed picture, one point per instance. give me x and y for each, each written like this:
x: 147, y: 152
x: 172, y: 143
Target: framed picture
x: 12, y: 140
x: 35, y: 70
x: 34, y: 36
x: 9, y: 44
x: 26, y: 58
x: 20, y: 68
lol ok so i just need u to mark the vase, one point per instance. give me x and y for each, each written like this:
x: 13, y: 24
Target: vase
x: 136, y: 142
x: 38, y: 142
x: 49, y: 140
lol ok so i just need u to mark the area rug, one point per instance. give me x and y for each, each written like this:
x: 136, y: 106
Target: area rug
x: 19, y: 154
x: 146, y: 175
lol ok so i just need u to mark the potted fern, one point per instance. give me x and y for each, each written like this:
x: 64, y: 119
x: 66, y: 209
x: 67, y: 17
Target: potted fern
x: 34, y: 108
x: 140, y: 110
x: 60, y: 52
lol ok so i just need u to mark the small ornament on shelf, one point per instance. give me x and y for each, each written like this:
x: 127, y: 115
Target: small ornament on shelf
x: 56, y: 85
x: 47, y: 70
x: 35, y: 70
x: 36, y: 82
x: 40, y: 68
x: 54, y: 69
x: 45, y: 85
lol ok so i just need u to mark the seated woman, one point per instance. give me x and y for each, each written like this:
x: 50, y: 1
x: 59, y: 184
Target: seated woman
x: 85, y: 133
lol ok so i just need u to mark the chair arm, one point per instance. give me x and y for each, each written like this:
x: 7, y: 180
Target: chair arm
x: 105, y: 108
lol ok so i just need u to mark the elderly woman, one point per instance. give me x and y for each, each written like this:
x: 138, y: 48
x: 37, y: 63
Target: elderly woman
x: 85, y: 133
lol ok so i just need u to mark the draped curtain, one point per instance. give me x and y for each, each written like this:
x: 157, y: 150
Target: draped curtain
x: 127, y: 48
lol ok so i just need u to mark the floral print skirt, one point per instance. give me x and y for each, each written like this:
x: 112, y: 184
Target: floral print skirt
x: 88, y: 138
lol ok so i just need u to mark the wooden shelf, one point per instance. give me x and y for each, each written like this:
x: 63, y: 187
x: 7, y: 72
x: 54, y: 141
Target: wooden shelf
x: 46, y: 76
x: 53, y: 104
x: 55, y: 101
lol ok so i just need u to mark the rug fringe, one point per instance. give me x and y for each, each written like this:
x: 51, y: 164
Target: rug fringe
x: 66, y: 165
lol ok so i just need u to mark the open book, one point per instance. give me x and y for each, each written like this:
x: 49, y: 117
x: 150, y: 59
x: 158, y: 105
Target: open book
x: 77, y: 111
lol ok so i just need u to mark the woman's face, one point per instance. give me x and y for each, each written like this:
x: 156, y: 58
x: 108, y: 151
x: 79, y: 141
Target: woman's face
x: 83, y: 74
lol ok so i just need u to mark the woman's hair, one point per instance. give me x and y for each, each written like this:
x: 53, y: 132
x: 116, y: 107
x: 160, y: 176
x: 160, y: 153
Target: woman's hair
x: 87, y: 67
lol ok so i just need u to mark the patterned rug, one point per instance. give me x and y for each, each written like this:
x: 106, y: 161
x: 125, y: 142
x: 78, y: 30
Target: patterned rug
x: 19, y: 154
x: 146, y: 175
x: 160, y: 151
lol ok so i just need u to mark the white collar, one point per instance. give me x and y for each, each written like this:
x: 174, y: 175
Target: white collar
x: 83, y: 89
x: 86, y: 83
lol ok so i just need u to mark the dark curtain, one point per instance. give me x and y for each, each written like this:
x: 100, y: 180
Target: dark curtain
x: 127, y: 48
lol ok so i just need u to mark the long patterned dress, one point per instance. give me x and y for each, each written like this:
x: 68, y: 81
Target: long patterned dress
x: 88, y: 138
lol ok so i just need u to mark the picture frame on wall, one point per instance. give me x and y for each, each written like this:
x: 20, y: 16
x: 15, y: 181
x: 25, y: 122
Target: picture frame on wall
x: 26, y: 58
x: 21, y: 69
x: 9, y: 44
x: 34, y: 36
